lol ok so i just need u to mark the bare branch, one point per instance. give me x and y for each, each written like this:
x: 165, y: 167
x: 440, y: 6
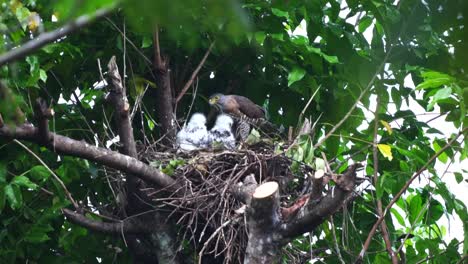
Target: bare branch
x: 57, y: 178
x: 383, y: 225
x: 125, y: 227
x: 67, y: 146
x: 119, y: 99
x: 403, y: 190
x: 194, y: 74
x: 335, y: 241
x: 48, y: 37
x: 157, y: 48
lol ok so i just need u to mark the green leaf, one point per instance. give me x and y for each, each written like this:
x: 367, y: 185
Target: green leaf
x: 22, y: 14
x: 441, y: 94
x: 443, y: 157
x: 298, y: 154
x: 146, y: 42
x: 364, y: 23
x: 39, y: 172
x: 253, y: 137
x: 260, y: 37
x: 433, y: 79
x: 415, y: 207
x: 398, y: 216
x: 24, y: 182
x: 42, y: 75
x: 149, y: 122
x: 279, y: 13
x: 435, y: 212
x: 38, y: 233
x: 295, y: 75
x: 404, y: 166
x: 458, y: 177
x: 330, y: 59
x: 14, y: 196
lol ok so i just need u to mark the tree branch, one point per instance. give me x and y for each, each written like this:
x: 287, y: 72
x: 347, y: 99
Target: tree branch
x: 157, y: 48
x: 243, y: 191
x: 375, y: 156
x: 194, y: 74
x: 125, y: 227
x: 67, y: 146
x: 398, y: 195
x: 164, y: 96
x: 43, y: 113
x: 48, y: 37
x: 57, y: 178
x: 315, y: 212
x: 118, y: 98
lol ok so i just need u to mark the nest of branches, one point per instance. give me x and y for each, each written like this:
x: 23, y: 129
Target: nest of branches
x: 210, y: 212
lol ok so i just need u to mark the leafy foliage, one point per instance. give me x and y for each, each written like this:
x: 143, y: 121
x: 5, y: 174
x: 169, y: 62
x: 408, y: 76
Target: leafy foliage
x: 279, y: 52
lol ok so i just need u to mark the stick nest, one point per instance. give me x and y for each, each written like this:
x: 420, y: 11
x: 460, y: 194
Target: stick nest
x: 208, y: 213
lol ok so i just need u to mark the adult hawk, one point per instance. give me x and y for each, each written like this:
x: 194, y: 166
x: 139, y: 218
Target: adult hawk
x: 221, y: 133
x: 194, y: 135
x: 241, y: 108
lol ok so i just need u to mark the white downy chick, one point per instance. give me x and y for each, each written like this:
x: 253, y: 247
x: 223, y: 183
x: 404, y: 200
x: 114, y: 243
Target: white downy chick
x: 194, y: 135
x: 221, y: 133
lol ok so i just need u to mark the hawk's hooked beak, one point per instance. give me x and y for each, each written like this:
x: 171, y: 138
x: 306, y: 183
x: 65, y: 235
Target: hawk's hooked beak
x: 212, y: 101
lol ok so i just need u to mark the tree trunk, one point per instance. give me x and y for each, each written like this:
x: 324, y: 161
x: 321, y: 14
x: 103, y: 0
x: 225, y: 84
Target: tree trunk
x: 263, y: 223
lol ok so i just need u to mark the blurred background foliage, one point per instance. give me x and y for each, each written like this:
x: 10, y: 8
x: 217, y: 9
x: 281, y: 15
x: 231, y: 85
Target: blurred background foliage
x: 278, y: 53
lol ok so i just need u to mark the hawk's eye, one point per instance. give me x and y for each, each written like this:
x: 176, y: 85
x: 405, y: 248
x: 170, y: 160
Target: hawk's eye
x: 216, y: 97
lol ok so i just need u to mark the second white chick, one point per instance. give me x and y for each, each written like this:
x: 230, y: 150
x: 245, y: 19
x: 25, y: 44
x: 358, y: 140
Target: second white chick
x: 221, y: 133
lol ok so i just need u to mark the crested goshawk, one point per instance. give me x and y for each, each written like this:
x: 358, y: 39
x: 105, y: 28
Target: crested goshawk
x: 241, y: 108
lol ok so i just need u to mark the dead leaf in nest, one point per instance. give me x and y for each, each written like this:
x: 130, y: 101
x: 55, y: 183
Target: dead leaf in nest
x: 201, y: 168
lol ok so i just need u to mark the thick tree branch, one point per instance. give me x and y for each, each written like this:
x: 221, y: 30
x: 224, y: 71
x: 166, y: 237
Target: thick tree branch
x: 194, y: 74
x: 43, y: 113
x: 243, y: 191
x: 315, y: 212
x: 48, y: 37
x: 164, y: 96
x: 403, y: 190
x: 125, y: 227
x: 118, y: 98
x: 67, y: 146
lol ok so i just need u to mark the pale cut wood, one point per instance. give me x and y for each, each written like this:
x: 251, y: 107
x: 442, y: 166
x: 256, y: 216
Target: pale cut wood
x: 265, y: 190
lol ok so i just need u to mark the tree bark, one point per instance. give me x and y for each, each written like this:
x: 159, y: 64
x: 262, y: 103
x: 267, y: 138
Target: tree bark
x: 162, y: 238
x: 164, y: 94
x: 263, y: 222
